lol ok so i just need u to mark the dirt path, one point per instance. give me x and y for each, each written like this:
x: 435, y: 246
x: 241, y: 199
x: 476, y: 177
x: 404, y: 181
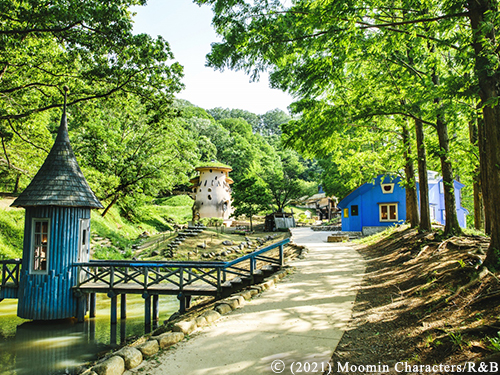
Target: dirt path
x: 301, y: 319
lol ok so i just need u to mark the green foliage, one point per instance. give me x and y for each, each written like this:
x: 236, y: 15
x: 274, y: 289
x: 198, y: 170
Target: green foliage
x: 494, y: 343
x: 11, y: 233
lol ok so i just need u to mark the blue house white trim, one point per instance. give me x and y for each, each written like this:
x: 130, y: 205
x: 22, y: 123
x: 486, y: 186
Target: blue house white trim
x: 382, y: 202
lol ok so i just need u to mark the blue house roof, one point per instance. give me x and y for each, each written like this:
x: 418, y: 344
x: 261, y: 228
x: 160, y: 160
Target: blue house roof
x: 365, y: 188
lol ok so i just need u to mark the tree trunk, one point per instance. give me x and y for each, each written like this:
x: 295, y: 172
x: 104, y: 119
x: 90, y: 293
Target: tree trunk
x: 16, y: 184
x: 251, y: 225
x: 478, y: 197
x: 452, y: 228
x: 425, y: 218
x: 411, y: 186
x: 489, y: 80
x: 115, y: 198
x: 483, y: 170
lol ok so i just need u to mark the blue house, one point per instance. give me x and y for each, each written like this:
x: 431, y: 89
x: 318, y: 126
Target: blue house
x: 56, y: 234
x: 382, y: 203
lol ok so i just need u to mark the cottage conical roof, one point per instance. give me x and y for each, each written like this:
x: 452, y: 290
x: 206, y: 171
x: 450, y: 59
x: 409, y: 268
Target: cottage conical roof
x: 60, y: 181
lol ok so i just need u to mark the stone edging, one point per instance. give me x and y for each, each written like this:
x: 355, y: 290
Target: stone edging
x: 132, y: 356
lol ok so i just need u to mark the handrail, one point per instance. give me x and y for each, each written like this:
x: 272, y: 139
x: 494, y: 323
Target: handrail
x: 178, y: 273
x: 10, y: 274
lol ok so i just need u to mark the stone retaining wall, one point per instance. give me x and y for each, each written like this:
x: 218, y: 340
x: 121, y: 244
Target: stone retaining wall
x: 132, y: 356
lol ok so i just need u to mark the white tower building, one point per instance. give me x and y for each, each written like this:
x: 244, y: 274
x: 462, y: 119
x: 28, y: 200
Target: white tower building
x: 212, y: 192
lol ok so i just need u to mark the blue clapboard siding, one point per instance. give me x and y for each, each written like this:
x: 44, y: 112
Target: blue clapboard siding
x: 47, y: 297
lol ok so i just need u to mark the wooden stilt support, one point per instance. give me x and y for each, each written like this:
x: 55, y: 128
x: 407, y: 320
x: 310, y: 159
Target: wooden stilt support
x: 92, y: 330
x: 114, y: 313
x: 156, y: 308
x: 123, y: 306
x: 123, y: 331
x: 147, y: 311
x: 92, y: 307
x: 188, y: 302
x: 182, y: 303
x: 81, y: 309
x: 113, y: 334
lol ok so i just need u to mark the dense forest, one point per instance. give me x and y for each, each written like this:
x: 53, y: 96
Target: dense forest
x: 397, y: 89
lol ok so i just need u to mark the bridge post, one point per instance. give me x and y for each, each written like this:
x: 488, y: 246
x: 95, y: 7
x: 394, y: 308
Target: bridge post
x: 114, y: 314
x: 147, y: 310
x: 252, y: 269
x: 182, y: 303
x: 156, y: 308
x: 92, y: 307
x: 123, y: 306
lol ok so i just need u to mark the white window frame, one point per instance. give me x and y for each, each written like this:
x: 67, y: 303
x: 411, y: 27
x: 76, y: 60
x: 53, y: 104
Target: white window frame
x: 391, y: 185
x: 32, y: 248
x: 380, y: 205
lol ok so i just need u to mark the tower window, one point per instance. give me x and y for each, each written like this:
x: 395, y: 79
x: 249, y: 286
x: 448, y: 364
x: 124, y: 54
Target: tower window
x: 40, y: 246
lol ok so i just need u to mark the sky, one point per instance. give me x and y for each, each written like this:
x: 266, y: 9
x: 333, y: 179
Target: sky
x: 187, y: 27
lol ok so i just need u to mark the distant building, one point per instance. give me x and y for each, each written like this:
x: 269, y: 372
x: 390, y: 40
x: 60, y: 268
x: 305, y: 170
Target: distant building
x: 212, y: 192
x: 382, y: 202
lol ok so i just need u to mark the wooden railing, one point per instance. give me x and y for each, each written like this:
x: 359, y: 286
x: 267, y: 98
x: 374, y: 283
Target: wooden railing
x: 182, y: 277
x: 10, y: 273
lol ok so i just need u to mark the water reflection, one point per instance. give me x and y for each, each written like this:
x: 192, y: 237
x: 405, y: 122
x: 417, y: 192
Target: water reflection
x: 59, y: 347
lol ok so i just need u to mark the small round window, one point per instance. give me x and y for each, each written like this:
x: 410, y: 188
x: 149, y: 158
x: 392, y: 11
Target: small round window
x: 209, y: 197
x: 209, y: 190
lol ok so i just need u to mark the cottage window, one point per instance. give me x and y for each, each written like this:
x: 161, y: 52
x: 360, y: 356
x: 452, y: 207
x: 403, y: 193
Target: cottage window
x: 354, y: 210
x: 210, y: 171
x: 209, y: 197
x: 388, y: 211
x: 346, y: 212
x: 205, y: 183
x: 216, y: 177
x: 209, y: 190
x: 40, y: 246
x: 387, y: 188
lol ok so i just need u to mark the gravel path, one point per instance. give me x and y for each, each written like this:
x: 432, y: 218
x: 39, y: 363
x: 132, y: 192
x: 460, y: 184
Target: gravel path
x: 300, y: 320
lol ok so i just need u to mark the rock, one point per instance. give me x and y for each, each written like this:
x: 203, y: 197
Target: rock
x: 185, y: 326
x: 249, y: 243
x: 247, y: 238
x: 211, y: 316
x: 246, y: 295
x: 145, y: 234
x: 202, y: 245
x: 168, y: 339
x: 227, y: 243
x: 240, y: 300
x: 223, y: 308
x: 269, y: 283
x: 148, y: 348
x: 254, y: 291
x: 112, y: 366
x: 131, y: 356
x: 155, y: 253
x: 201, y: 321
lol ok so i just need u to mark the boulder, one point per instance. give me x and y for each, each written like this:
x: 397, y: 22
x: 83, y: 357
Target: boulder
x: 227, y: 243
x: 223, y: 308
x: 246, y: 294
x: 170, y: 338
x: 185, y: 326
x: 202, y: 245
x: 111, y: 366
x: 148, y: 348
x: 211, y: 316
x: 131, y: 356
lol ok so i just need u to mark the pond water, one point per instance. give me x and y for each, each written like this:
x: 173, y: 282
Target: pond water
x: 60, y: 347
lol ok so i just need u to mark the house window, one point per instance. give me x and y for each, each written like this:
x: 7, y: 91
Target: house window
x: 441, y: 187
x: 40, y: 246
x: 388, y: 211
x: 433, y: 213
x: 354, y: 210
x: 346, y: 212
x: 387, y: 188
x: 210, y: 171
x: 209, y: 197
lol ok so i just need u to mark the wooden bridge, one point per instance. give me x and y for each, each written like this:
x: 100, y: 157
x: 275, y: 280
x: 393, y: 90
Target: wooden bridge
x: 151, y: 279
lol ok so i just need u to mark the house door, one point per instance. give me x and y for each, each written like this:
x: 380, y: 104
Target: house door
x: 84, y: 245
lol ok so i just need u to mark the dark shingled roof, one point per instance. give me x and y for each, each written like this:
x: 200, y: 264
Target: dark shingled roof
x: 60, y: 181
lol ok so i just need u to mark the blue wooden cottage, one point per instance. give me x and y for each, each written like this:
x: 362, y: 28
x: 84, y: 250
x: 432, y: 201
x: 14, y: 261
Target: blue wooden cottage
x: 382, y: 203
x: 56, y: 234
